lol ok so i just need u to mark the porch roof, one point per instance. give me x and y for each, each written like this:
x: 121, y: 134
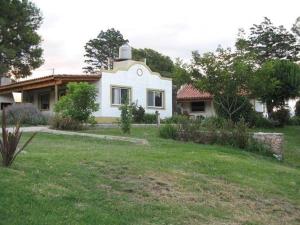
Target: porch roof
x: 189, y: 93
x: 48, y: 81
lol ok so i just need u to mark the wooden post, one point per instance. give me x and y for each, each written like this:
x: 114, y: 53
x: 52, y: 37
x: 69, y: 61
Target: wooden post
x: 55, y: 93
x: 157, y: 118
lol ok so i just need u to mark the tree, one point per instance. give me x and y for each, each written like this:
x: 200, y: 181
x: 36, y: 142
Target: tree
x: 155, y: 60
x: 100, y: 49
x: 20, y: 50
x: 79, y: 103
x: 296, y: 27
x: 276, y: 82
x: 227, y: 76
x: 270, y: 42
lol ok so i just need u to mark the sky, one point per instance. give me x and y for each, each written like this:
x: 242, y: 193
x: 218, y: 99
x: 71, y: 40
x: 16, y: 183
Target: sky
x: 172, y: 27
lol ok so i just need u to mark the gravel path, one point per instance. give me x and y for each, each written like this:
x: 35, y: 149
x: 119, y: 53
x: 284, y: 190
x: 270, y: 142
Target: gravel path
x: 45, y: 129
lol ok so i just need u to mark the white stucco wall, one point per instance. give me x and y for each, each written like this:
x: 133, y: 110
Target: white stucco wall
x: 128, y: 77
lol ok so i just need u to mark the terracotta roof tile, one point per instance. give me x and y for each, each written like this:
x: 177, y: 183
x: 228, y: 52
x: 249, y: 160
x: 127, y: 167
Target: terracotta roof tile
x: 189, y: 92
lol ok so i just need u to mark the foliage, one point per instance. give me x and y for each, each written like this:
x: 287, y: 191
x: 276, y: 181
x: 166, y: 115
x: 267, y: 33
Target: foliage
x: 269, y: 42
x: 155, y: 60
x: 19, y: 41
x: 138, y: 113
x: 126, y: 117
x: 243, y: 107
x: 175, y: 119
x: 294, y: 121
x: 282, y: 116
x: 297, y: 108
x: 296, y: 27
x: 168, y: 131
x: 226, y: 75
x: 276, y: 82
x: 181, y: 73
x: 25, y: 113
x: 65, y: 123
x: 10, y: 141
x: 258, y: 147
x: 149, y: 118
x: 214, y: 122
x: 100, y: 49
x: 79, y: 103
x: 259, y: 121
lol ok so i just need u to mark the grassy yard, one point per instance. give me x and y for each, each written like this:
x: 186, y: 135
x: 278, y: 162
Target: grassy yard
x: 82, y: 181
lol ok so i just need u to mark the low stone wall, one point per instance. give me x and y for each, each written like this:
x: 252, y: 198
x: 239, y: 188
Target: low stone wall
x: 272, y: 140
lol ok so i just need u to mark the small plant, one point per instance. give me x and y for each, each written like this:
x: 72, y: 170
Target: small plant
x: 9, y: 143
x: 138, y: 113
x: 65, y: 123
x: 126, y: 118
x: 168, y: 131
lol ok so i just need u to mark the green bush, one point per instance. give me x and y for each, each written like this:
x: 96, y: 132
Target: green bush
x: 126, y: 118
x: 261, y: 122
x: 79, y: 103
x: 240, y: 134
x: 25, y: 113
x: 65, y: 123
x: 149, y: 118
x: 258, y: 147
x: 175, y: 119
x: 294, y: 121
x: 282, y: 116
x: 168, y: 131
x: 214, y: 122
x: 297, y: 108
x: 138, y: 113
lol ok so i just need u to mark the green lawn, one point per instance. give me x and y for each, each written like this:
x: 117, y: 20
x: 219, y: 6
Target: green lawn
x: 82, y: 181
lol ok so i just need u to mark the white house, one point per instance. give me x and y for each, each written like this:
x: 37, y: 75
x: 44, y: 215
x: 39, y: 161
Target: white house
x: 127, y: 79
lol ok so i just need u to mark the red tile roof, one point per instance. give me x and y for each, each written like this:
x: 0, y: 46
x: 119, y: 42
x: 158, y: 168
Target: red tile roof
x: 189, y: 92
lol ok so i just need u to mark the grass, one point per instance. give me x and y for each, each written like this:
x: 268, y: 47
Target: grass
x: 79, y: 180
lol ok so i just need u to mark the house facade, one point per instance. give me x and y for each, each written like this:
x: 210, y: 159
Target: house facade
x: 196, y: 103
x: 127, y: 80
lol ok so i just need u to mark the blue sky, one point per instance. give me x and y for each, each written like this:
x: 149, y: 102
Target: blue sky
x: 173, y: 27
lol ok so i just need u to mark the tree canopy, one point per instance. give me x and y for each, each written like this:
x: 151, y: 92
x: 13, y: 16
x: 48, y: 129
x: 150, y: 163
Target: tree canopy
x: 227, y: 76
x: 20, y: 50
x: 105, y: 45
x: 268, y: 41
x: 156, y: 61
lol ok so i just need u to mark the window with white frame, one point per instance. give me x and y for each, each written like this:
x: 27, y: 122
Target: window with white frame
x: 155, y: 98
x: 120, y: 95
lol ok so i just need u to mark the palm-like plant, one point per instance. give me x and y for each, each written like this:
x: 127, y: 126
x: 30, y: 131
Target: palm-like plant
x: 9, y: 143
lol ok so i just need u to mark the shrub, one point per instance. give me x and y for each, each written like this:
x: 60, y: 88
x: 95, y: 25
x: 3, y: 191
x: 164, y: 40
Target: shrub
x: 282, y: 116
x: 138, y: 113
x: 149, y: 118
x: 79, y: 103
x: 240, y: 134
x: 294, y: 121
x: 297, y: 108
x: 25, y: 113
x: 258, y: 147
x: 213, y: 122
x: 65, y: 123
x: 9, y: 143
x: 261, y: 122
x: 175, y: 119
x: 126, y: 118
x: 168, y: 131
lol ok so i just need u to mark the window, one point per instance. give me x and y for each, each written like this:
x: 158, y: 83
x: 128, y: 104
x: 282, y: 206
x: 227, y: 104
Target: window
x: 155, y: 98
x: 44, y: 101
x: 120, y: 95
x: 198, y: 106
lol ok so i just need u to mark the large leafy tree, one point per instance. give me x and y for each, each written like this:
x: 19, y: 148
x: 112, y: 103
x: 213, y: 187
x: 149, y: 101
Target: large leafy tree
x: 268, y: 41
x: 156, y: 61
x: 296, y: 27
x: 227, y: 76
x: 276, y: 82
x: 20, y: 50
x: 99, y: 50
